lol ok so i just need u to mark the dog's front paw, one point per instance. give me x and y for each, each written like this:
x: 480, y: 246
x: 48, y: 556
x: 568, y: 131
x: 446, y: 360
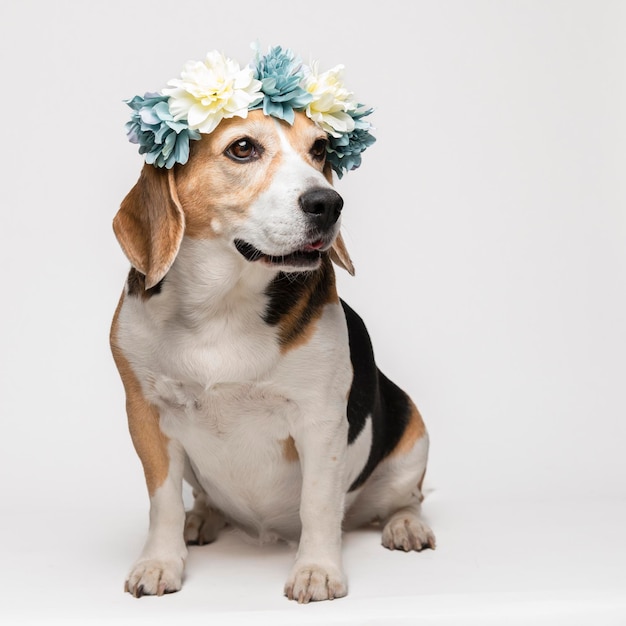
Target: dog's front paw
x: 154, y: 577
x: 308, y: 583
x: 407, y: 532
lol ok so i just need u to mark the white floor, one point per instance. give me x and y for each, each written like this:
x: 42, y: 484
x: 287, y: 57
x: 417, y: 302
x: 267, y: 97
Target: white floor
x: 506, y: 562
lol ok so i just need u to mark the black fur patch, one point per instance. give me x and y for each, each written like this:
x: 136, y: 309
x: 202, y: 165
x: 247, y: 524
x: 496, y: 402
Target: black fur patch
x: 296, y: 299
x: 137, y: 285
x: 372, y: 393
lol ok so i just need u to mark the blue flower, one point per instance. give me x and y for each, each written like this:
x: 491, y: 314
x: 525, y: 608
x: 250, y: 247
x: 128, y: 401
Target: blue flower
x: 163, y: 140
x: 280, y: 73
x: 343, y: 153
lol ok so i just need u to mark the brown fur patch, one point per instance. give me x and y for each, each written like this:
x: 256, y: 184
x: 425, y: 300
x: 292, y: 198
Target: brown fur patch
x: 413, y: 431
x: 290, y: 453
x: 340, y: 255
x: 302, y: 135
x: 296, y: 303
x: 143, y: 419
x: 150, y: 224
x: 217, y: 191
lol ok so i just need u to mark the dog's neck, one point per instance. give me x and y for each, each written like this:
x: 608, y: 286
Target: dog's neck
x: 210, y: 279
x: 210, y: 274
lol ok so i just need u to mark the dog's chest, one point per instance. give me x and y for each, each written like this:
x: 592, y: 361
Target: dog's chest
x: 215, y: 377
x: 180, y: 347
x: 222, y: 394
x: 236, y: 437
x: 234, y: 399
x: 225, y: 412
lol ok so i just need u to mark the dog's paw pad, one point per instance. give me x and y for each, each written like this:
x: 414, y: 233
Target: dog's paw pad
x: 407, y: 532
x: 155, y: 577
x: 310, y: 583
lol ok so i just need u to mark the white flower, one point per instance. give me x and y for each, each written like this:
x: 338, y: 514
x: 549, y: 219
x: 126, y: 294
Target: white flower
x: 331, y: 101
x: 211, y: 90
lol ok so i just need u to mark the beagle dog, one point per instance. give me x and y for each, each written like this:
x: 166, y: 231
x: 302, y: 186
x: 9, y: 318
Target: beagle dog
x: 245, y: 374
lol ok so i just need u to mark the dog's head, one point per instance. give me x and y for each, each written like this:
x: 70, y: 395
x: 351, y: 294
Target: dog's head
x: 259, y: 183
x: 246, y: 156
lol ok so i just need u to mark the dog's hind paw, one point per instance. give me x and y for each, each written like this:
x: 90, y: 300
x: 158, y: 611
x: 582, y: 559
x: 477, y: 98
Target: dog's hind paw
x: 406, y: 531
x: 202, y: 526
x: 314, y: 582
x: 155, y: 577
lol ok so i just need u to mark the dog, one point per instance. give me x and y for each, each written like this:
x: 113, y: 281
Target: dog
x: 245, y: 374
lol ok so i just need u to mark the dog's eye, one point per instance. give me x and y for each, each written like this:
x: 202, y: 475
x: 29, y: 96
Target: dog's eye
x: 318, y: 149
x: 242, y: 150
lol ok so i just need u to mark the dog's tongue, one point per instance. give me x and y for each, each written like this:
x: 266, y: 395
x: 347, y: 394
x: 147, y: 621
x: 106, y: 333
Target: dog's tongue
x: 316, y: 245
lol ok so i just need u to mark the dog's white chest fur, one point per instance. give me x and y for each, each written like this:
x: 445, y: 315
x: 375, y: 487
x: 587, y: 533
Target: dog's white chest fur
x: 230, y: 397
x: 235, y: 436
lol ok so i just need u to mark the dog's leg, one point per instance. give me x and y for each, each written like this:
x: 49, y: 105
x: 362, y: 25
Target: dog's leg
x: 393, y: 495
x: 159, y: 568
x: 203, y: 522
x: 317, y: 573
x: 402, y: 474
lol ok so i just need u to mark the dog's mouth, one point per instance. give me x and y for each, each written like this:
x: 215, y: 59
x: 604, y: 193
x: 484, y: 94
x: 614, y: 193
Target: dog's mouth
x: 306, y: 257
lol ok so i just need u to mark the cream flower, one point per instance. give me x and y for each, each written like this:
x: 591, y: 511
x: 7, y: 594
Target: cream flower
x: 331, y: 100
x: 212, y: 90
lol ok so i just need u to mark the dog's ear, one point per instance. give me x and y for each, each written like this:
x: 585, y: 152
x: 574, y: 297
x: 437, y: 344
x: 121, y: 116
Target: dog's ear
x: 339, y: 255
x: 150, y: 223
x: 338, y: 252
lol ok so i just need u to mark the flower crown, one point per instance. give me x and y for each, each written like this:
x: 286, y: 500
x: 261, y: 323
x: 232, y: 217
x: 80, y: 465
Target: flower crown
x: 209, y: 91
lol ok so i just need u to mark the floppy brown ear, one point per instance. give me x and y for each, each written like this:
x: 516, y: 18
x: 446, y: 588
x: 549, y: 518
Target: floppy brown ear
x: 339, y: 255
x: 338, y: 252
x: 150, y: 224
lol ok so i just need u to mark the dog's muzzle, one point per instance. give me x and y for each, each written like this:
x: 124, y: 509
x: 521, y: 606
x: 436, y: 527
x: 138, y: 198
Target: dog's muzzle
x: 322, y: 207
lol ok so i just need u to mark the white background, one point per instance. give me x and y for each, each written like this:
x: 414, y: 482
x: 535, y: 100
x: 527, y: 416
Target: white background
x: 488, y: 228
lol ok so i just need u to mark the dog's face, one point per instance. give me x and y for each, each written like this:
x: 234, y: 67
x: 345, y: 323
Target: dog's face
x: 259, y: 184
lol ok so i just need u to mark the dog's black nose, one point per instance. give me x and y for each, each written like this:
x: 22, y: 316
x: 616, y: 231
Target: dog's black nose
x: 322, y: 205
